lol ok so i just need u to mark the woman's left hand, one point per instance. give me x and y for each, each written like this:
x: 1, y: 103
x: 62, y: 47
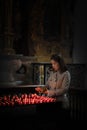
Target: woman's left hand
x: 46, y: 92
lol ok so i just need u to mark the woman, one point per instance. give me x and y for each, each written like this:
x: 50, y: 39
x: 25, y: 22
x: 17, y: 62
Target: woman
x: 58, y: 81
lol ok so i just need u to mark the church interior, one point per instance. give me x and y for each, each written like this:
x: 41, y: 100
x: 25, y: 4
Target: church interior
x: 30, y: 32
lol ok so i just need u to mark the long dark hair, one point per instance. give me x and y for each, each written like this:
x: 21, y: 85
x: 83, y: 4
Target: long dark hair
x: 60, y: 61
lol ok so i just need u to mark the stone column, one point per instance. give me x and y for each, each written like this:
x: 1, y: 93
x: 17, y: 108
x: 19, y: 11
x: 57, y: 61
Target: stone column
x: 8, y: 34
x: 1, y: 25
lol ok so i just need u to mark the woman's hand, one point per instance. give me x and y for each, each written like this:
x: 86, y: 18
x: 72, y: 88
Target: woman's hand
x: 46, y: 92
x: 39, y: 89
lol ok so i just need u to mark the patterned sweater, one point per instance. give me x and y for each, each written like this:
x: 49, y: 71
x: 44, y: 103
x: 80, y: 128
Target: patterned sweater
x: 58, y: 85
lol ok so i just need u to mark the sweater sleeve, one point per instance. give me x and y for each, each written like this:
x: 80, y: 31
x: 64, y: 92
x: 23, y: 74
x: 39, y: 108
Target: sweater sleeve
x: 63, y: 88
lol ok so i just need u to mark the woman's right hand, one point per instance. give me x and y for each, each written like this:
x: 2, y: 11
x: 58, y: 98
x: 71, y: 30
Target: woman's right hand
x: 39, y: 89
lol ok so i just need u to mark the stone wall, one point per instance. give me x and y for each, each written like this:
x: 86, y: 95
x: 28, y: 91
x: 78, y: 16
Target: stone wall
x: 45, y: 43
x: 37, y: 28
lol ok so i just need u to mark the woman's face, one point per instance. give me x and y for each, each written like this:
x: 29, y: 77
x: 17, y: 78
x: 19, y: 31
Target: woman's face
x: 55, y: 65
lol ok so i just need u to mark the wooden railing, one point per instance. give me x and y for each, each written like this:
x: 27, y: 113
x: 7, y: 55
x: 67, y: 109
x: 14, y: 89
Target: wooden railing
x: 78, y: 104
